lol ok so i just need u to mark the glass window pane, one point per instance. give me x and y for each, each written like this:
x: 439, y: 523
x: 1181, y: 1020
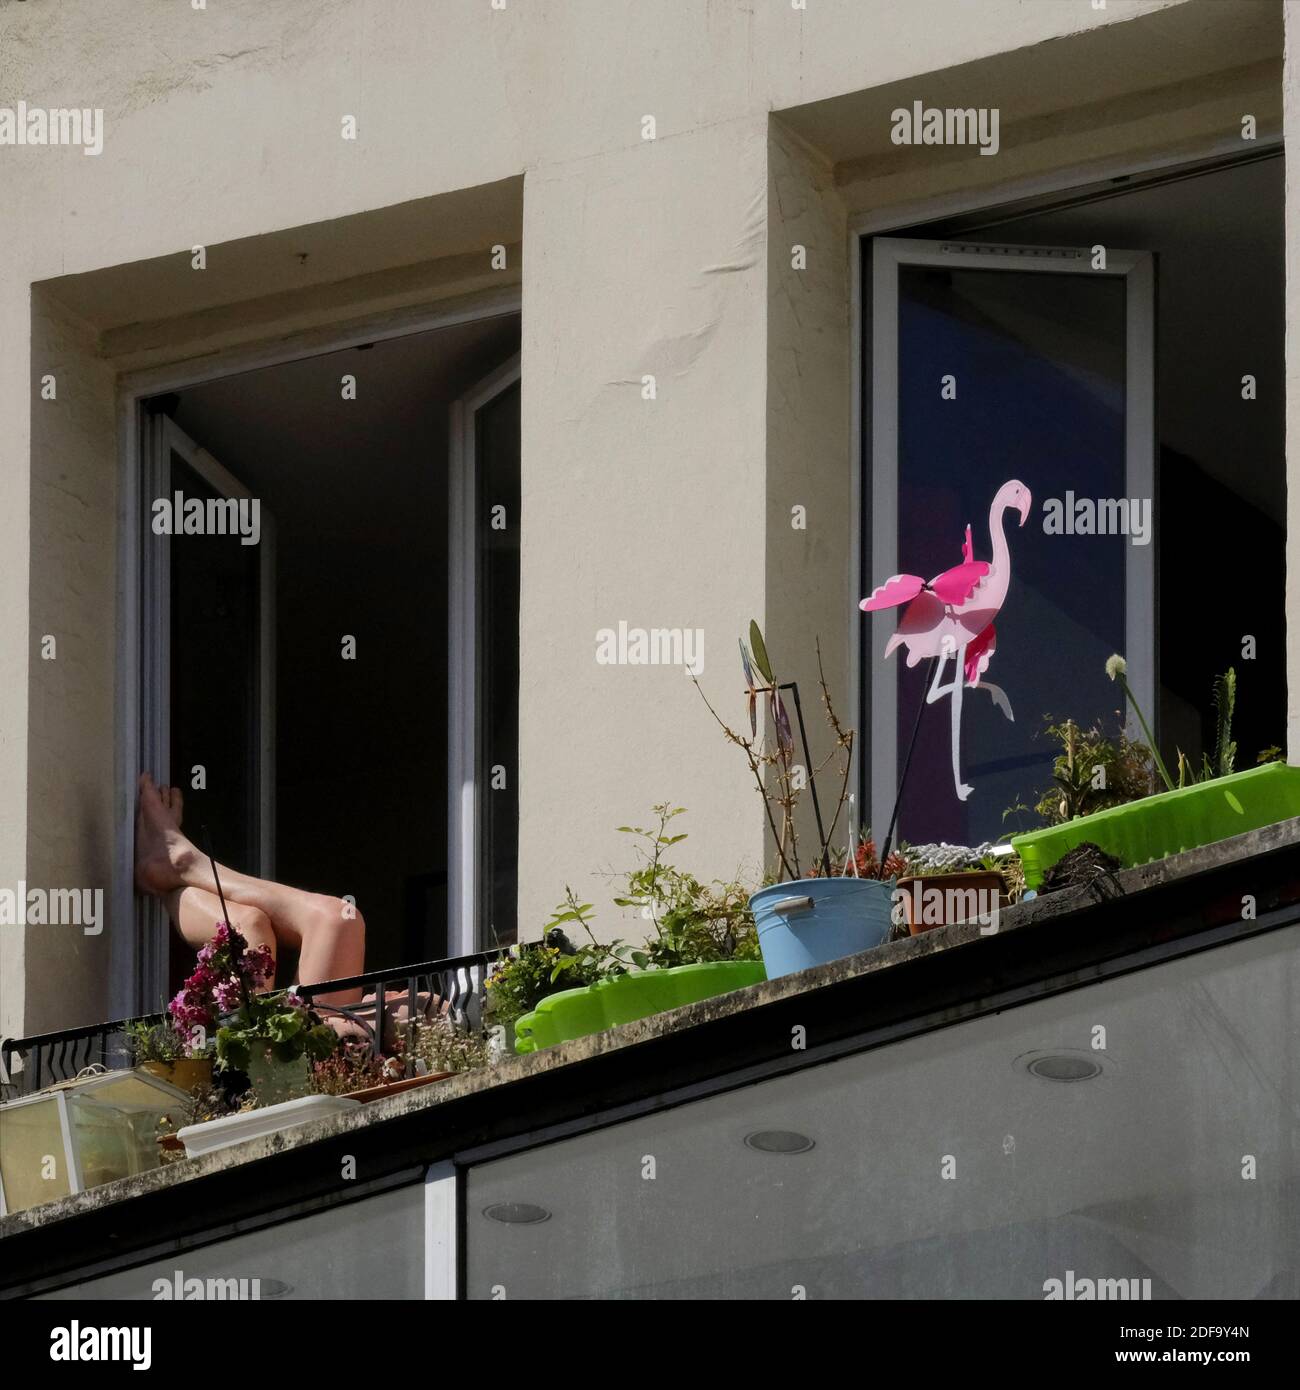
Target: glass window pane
x: 215, y: 622
x: 368, y: 1249
x: 1039, y: 364
x: 950, y: 1165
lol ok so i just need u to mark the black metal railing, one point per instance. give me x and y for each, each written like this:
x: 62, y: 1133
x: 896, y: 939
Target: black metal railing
x: 453, y: 988
x: 29, y: 1064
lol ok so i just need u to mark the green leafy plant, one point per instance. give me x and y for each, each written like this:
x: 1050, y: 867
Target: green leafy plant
x: 281, y: 1023
x: 441, y: 1046
x: 352, y: 1068
x: 1117, y: 670
x: 695, y: 923
x: 1223, y: 761
x: 157, y: 1042
x: 1092, y: 772
x: 524, y: 978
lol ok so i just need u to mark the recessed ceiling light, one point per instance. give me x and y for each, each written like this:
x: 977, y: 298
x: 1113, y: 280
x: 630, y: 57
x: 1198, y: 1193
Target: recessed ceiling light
x: 778, y: 1141
x: 516, y: 1213
x: 1061, y: 1064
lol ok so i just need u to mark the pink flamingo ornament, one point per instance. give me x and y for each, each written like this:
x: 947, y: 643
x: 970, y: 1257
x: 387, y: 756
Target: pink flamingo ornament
x: 952, y: 615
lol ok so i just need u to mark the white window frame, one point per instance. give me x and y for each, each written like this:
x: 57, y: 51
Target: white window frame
x: 137, y: 968
x: 464, y: 804
x: 1136, y: 269
x: 161, y: 436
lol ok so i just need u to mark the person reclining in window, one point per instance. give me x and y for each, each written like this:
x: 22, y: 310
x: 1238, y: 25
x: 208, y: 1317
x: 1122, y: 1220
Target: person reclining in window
x: 328, y: 933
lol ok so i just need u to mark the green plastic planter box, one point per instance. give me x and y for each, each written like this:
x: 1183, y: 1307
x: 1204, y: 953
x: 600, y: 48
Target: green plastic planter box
x: 1158, y: 826
x: 576, y: 1013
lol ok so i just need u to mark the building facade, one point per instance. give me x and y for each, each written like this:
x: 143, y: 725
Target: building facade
x: 663, y: 242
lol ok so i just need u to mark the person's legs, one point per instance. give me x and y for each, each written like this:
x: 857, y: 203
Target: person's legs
x: 195, y: 914
x: 328, y: 934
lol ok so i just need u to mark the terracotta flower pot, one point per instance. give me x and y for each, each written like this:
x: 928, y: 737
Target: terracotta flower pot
x: 922, y: 911
x: 192, y: 1074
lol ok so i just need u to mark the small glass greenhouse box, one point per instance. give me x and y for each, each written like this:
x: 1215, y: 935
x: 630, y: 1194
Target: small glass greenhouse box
x: 82, y: 1133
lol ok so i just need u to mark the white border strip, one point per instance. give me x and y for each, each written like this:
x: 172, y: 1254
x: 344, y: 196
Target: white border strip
x: 440, y: 1231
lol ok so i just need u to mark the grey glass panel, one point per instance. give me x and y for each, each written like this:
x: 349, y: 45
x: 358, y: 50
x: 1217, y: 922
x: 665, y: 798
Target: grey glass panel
x: 215, y: 683
x: 942, y: 1167
x: 1039, y: 363
x: 372, y: 1248
x: 215, y: 625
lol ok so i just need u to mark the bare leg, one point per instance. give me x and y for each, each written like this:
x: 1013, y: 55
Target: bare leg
x: 195, y: 915
x: 329, y: 934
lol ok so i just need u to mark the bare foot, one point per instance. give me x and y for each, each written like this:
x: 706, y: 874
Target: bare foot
x: 162, y: 853
x: 173, y: 803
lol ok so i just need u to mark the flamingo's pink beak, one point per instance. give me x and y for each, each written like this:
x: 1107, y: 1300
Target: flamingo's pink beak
x: 1025, y: 502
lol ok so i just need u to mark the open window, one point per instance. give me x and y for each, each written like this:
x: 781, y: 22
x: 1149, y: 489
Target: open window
x: 325, y: 692
x: 209, y: 649
x: 1138, y: 395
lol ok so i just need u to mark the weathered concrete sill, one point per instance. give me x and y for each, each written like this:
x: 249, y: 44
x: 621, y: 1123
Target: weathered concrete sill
x: 1039, y: 913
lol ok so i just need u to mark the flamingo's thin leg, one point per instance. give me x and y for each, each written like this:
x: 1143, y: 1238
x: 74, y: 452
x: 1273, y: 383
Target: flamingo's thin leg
x: 999, y: 697
x: 959, y: 683
x: 938, y: 691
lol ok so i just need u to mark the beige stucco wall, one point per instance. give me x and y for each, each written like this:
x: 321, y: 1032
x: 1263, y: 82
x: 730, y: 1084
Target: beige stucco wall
x: 640, y: 258
x: 71, y: 797
x: 808, y: 596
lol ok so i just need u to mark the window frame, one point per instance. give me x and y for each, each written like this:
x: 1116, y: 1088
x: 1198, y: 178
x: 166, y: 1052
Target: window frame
x: 465, y: 932
x: 1137, y: 270
x: 138, y: 960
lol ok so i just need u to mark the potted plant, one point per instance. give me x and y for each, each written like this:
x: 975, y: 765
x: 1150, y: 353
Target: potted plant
x: 442, y: 1049
x: 158, y: 1047
x: 809, y: 915
x: 1207, y: 804
x: 271, y: 1038
x: 436, y: 1047
x: 944, y: 884
x: 703, y: 944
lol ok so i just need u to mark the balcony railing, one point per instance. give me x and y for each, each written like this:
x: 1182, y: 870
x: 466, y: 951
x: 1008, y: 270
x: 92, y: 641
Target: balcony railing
x: 454, y: 988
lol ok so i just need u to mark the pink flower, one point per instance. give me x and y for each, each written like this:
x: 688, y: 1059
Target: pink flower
x: 257, y: 963
x: 203, y: 978
x: 228, y: 993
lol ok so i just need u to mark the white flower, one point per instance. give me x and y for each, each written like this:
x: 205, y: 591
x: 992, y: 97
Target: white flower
x: 1116, y: 666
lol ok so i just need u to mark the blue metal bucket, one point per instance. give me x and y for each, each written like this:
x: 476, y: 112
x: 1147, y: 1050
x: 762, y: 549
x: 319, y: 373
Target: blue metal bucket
x: 816, y: 920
